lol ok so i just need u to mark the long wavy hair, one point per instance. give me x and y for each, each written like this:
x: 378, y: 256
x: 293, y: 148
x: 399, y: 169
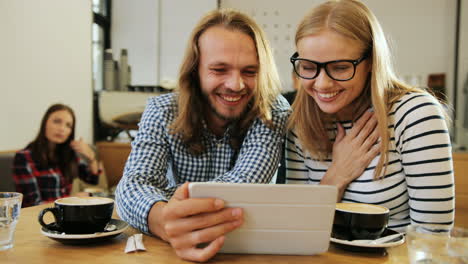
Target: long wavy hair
x: 62, y: 155
x: 189, y: 121
x: 351, y: 19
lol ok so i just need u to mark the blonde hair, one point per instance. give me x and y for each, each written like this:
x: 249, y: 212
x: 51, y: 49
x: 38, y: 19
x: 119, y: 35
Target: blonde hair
x: 351, y: 19
x: 188, y: 122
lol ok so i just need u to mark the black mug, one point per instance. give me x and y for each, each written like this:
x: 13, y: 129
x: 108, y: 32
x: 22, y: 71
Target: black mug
x: 359, y: 221
x: 79, y: 215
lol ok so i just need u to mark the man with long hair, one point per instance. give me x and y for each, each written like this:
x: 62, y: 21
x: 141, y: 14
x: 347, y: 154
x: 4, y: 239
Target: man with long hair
x: 225, y: 124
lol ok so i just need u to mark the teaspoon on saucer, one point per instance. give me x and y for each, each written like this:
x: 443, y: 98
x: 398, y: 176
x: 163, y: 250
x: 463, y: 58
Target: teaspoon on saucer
x: 382, y: 240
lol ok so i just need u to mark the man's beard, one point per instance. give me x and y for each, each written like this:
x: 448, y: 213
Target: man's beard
x: 228, y: 119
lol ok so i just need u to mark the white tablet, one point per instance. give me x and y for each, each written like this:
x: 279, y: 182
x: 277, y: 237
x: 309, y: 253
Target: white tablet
x: 278, y: 219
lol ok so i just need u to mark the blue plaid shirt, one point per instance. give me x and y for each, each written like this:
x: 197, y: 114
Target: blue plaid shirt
x: 160, y: 162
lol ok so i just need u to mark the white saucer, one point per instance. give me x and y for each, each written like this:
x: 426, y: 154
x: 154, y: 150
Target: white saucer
x: 86, y: 238
x: 366, y: 245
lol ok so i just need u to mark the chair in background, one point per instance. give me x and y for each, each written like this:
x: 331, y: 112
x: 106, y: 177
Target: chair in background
x: 113, y: 156
x: 460, y: 166
x: 6, y: 168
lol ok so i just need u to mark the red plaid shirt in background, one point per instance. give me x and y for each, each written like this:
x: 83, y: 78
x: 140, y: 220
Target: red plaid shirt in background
x: 39, y: 185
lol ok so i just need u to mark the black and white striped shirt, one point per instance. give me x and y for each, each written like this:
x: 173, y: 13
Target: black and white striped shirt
x: 418, y: 186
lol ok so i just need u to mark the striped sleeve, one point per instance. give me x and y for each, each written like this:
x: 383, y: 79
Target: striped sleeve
x: 296, y: 171
x: 422, y: 139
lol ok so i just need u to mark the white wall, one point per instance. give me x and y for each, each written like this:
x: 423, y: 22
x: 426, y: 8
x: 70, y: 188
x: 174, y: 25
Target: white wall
x: 422, y: 35
x: 135, y: 28
x: 45, y: 52
x: 178, y: 17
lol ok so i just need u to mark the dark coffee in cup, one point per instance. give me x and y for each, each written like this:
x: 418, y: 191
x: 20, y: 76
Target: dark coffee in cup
x: 79, y: 215
x: 359, y: 221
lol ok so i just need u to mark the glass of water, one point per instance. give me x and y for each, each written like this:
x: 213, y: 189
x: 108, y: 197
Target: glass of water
x: 10, y: 206
x: 437, y: 244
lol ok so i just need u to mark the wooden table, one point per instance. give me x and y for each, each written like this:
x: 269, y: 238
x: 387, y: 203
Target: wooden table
x: 32, y: 247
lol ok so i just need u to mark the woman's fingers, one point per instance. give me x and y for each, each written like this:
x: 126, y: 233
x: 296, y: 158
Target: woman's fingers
x: 81, y: 147
x: 76, y: 145
x: 371, y: 139
x: 360, y: 123
x: 356, y: 149
x: 372, y: 153
x: 341, y: 132
x: 375, y: 150
x: 366, y: 130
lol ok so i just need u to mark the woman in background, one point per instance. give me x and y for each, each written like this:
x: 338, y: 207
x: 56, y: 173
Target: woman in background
x: 356, y: 126
x: 45, y: 169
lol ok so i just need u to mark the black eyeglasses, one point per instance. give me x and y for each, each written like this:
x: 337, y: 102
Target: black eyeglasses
x: 338, y: 70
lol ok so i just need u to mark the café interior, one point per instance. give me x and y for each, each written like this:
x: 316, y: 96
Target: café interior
x: 72, y: 52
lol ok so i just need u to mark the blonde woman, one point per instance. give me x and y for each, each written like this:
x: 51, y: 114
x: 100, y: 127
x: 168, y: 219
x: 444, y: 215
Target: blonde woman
x: 356, y: 126
x: 225, y: 124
